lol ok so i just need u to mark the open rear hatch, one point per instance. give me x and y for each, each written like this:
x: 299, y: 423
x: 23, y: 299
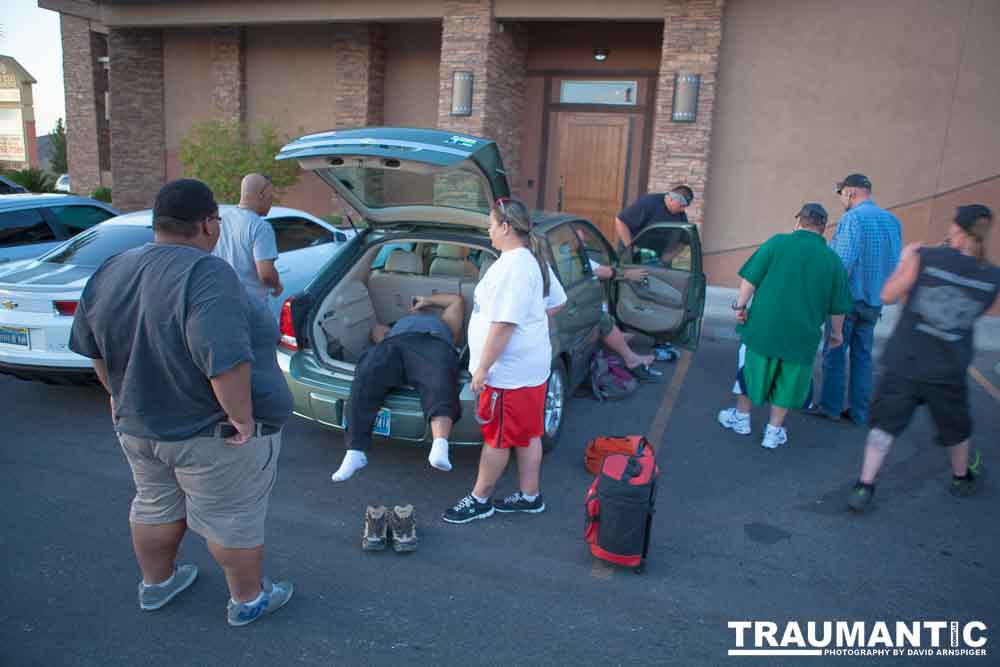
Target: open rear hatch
x: 403, y: 175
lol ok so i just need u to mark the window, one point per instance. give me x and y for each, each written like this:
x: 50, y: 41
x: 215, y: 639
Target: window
x: 569, y: 261
x: 95, y: 246
x: 294, y: 233
x: 663, y: 247
x: 24, y: 227
x: 78, y: 218
x: 595, y: 247
x: 619, y: 93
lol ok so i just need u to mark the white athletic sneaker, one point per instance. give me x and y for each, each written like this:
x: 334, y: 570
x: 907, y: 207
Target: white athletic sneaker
x: 774, y: 437
x: 736, y: 421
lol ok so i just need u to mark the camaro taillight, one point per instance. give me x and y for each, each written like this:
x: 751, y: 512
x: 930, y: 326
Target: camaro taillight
x: 65, y: 308
x: 287, y: 328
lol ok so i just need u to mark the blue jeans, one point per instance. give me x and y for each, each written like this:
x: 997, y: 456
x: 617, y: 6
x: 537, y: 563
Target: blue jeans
x: 859, y: 337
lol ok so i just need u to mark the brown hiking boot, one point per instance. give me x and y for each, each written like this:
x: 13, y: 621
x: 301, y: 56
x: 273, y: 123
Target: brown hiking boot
x: 403, y: 522
x: 376, y: 527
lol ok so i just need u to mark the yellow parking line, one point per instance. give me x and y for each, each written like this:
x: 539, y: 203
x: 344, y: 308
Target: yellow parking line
x: 984, y: 383
x: 659, y: 425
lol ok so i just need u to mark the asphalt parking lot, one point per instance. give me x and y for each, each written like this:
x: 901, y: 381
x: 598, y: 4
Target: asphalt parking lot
x: 741, y: 533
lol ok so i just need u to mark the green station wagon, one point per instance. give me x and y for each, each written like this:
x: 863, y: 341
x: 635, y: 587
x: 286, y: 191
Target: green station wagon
x: 425, y: 197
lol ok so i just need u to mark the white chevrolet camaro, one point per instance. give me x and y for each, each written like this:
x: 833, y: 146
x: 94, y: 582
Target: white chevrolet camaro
x: 38, y: 297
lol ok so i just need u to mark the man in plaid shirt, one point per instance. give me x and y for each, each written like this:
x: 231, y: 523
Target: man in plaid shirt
x: 868, y: 240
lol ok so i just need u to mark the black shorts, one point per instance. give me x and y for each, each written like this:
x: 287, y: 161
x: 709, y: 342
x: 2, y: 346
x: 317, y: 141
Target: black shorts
x: 897, y: 398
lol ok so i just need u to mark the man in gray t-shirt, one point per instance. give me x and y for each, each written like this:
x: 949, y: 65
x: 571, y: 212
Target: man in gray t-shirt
x: 247, y: 242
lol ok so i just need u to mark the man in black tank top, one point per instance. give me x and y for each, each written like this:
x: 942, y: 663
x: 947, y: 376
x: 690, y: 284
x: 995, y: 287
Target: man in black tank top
x: 947, y: 289
x: 418, y: 350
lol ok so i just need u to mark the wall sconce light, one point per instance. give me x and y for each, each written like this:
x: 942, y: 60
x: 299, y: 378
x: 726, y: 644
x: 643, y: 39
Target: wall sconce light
x: 600, y: 55
x: 461, y: 93
x: 686, y: 87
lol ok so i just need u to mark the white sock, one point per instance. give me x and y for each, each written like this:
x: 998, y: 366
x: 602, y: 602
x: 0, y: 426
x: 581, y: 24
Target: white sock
x: 438, y: 458
x: 530, y: 499
x: 479, y: 500
x: 162, y: 584
x: 354, y: 460
x: 253, y: 602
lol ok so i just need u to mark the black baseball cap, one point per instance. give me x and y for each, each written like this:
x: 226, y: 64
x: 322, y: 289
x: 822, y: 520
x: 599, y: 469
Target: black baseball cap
x: 184, y: 200
x: 966, y: 216
x: 814, y: 211
x: 854, y: 181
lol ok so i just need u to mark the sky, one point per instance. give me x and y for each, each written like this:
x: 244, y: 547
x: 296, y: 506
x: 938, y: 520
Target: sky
x: 31, y: 35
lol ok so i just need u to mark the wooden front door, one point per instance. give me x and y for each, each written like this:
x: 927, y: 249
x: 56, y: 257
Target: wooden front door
x: 588, y: 161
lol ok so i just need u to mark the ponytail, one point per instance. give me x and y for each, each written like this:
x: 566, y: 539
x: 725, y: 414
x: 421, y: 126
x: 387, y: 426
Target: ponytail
x: 536, y: 250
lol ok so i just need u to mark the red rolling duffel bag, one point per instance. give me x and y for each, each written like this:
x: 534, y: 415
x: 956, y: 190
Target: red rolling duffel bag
x: 619, y: 508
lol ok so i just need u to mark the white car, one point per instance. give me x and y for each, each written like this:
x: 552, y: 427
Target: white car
x: 62, y: 183
x: 38, y: 297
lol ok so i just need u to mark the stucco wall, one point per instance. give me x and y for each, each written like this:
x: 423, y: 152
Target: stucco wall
x: 187, y: 88
x: 412, y: 55
x: 905, y: 91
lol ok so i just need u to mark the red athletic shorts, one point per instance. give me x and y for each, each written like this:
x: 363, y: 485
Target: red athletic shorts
x: 511, y: 417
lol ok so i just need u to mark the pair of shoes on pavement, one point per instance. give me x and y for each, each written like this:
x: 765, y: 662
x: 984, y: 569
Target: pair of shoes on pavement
x: 469, y: 509
x: 739, y: 423
x: 401, y: 523
x: 273, y: 596
x: 861, y: 495
x: 814, y: 410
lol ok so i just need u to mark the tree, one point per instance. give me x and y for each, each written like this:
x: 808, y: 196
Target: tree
x: 220, y: 153
x: 57, y: 140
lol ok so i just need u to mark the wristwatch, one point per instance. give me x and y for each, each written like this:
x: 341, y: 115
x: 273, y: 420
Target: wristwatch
x: 736, y: 305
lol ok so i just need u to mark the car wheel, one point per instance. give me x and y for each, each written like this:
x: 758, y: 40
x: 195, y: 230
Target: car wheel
x: 555, y: 406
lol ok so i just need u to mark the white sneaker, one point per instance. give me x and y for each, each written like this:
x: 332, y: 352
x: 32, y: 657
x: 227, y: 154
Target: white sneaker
x: 736, y: 421
x: 774, y: 437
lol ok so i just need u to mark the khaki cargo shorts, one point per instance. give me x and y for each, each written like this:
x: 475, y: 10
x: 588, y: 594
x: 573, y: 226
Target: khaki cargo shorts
x: 222, y: 489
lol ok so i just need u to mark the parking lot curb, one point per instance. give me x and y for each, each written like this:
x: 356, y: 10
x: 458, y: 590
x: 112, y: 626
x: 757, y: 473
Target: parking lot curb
x: 719, y: 322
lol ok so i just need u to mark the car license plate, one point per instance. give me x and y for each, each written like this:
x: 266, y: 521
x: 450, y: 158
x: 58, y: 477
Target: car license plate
x: 12, y: 336
x: 382, y: 422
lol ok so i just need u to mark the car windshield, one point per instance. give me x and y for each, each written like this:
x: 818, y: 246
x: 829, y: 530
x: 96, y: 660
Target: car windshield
x: 93, y: 247
x: 378, y: 187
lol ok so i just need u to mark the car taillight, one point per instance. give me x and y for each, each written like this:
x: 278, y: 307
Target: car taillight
x: 65, y: 308
x: 287, y: 328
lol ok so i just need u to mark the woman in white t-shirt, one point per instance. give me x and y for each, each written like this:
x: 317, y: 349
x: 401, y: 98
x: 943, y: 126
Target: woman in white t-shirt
x: 510, y: 357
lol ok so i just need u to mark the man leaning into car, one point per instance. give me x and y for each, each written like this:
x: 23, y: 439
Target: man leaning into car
x: 197, y: 400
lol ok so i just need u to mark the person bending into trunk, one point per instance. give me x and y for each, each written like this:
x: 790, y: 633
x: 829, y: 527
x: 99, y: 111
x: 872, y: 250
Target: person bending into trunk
x: 419, y: 350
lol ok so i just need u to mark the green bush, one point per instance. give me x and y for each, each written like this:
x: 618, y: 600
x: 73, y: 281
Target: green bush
x: 101, y: 194
x: 35, y: 180
x: 221, y: 153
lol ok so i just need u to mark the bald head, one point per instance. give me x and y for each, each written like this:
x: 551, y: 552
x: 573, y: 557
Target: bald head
x: 256, y: 193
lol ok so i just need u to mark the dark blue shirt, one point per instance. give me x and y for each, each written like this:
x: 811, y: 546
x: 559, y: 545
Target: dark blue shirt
x: 422, y: 323
x: 165, y: 319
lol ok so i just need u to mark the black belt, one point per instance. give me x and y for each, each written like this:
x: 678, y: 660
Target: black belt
x: 227, y: 430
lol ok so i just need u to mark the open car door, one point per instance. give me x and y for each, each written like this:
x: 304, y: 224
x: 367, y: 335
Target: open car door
x: 669, y: 304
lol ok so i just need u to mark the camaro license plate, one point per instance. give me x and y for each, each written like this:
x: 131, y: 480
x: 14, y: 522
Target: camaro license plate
x: 382, y: 421
x: 12, y: 336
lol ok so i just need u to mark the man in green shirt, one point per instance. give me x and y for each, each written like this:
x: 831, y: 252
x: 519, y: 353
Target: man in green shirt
x: 796, y: 282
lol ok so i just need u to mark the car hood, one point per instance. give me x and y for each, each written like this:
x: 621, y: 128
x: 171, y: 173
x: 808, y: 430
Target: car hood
x: 402, y: 175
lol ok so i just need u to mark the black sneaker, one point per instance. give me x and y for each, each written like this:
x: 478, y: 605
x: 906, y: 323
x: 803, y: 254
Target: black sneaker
x: 518, y: 503
x: 963, y: 487
x: 644, y: 374
x: 861, y: 496
x: 468, y: 509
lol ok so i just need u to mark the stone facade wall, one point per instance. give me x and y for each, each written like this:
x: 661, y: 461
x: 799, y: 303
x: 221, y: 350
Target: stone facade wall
x: 229, y: 93
x: 692, y: 34
x: 79, y: 63
x: 473, y: 41
x: 359, y: 62
x: 138, y: 143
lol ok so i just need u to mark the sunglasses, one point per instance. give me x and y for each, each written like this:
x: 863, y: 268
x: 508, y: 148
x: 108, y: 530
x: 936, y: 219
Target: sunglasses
x: 503, y: 205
